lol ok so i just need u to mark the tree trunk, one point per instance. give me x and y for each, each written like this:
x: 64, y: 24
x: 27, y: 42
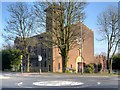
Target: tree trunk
x: 27, y: 60
x: 28, y: 63
x: 64, y: 63
x: 108, y: 58
x: 109, y: 66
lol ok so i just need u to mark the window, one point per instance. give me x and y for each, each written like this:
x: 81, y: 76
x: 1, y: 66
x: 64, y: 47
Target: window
x: 49, y: 51
x: 58, y: 66
x: 49, y: 68
x: 45, y: 64
x: 71, y: 65
x: 45, y: 54
x: 41, y: 63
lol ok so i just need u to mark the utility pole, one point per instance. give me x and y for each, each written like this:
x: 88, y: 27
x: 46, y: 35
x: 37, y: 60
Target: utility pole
x: 81, y: 48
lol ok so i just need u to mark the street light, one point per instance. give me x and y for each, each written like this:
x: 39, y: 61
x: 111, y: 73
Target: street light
x: 81, y: 48
x: 79, y: 41
x: 39, y: 59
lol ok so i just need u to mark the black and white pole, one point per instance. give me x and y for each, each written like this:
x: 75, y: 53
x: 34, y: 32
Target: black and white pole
x: 21, y: 57
x: 39, y: 59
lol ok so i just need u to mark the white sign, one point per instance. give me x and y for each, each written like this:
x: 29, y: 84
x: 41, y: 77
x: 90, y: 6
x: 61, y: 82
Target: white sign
x: 39, y: 58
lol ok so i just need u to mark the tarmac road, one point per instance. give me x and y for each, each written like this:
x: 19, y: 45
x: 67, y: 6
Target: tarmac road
x: 49, y: 80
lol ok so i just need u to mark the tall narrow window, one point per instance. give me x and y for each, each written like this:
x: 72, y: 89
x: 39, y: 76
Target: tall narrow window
x: 45, y: 64
x: 45, y: 54
x: 49, y: 68
x: 71, y: 65
x: 58, y: 66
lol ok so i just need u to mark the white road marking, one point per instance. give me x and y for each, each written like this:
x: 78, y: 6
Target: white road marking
x: 57, y: 83
x: 98, y: 83
x: 4, y: 77
x: 19, y: 84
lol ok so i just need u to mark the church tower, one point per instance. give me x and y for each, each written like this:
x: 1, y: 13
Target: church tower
x: 53, y: 13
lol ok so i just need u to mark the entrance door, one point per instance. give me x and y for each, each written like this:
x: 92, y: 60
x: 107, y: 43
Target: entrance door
x: 79, y: 69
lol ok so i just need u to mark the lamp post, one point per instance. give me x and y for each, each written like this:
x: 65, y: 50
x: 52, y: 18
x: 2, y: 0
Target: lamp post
x: 81, y: 47
x: 79, y: 41
x: 39, y: 59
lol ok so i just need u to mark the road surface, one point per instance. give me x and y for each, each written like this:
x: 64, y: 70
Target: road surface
x: 50, y: 80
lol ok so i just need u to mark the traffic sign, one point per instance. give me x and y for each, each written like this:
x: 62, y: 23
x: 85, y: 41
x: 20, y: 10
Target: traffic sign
x: 39, y: 58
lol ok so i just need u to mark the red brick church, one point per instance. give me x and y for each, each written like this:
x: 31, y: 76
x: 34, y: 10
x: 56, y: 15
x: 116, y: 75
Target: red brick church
x: 51, y: 59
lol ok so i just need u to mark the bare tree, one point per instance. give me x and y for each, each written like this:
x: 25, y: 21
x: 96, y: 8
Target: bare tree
x: 108, y: 27
x: 61, y: 34
x: 21, y: 24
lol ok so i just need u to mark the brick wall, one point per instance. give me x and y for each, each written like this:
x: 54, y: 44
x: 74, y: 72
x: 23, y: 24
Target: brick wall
x: 87, y: 51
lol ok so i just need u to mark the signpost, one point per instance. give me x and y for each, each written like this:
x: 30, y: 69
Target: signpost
x: 39, y: 59
x: 21, y: 56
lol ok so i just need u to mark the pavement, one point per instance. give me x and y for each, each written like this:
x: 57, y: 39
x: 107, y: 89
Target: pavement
x: 62, y: 74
